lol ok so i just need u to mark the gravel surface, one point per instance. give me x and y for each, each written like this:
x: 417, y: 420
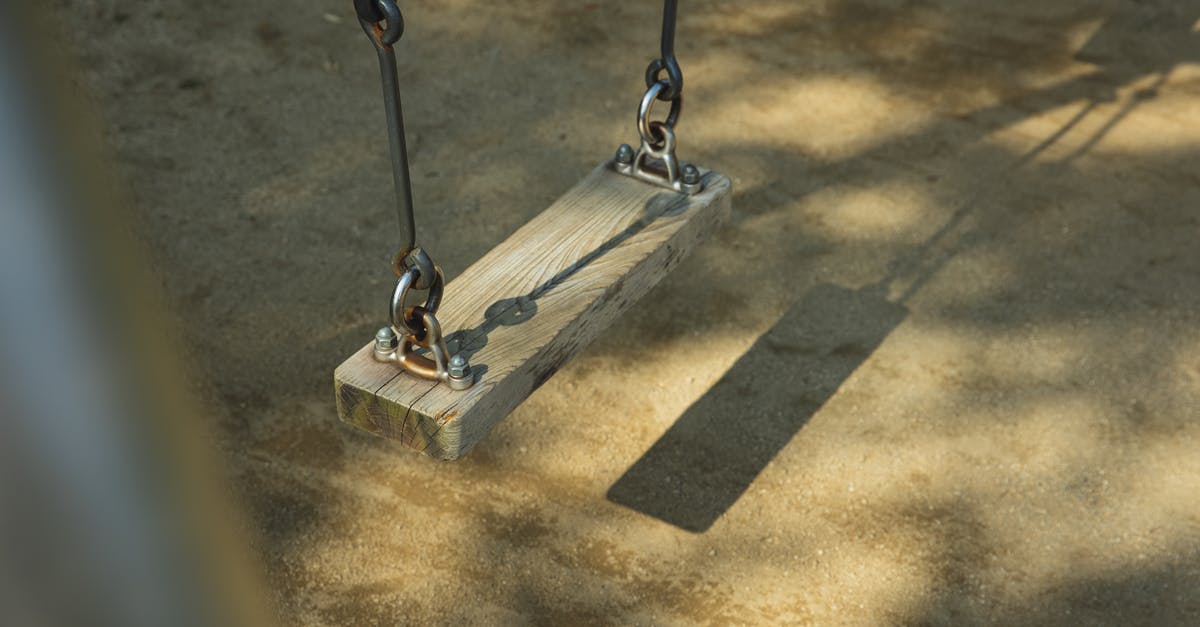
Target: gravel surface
x: 942, y: 366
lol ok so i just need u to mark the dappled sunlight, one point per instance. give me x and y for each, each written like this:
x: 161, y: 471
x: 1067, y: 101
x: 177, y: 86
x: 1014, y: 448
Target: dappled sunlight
x: 831, y: 117
x: 937, y: 359
x: 941, y: 366
x: 1187, y: 363
x: 878, y: 213
x: 1161, y: 111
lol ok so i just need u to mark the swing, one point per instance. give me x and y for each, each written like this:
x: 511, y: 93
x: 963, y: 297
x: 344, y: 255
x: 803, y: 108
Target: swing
x: 521, y: 311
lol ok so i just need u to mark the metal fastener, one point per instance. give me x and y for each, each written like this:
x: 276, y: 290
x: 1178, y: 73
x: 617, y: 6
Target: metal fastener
x: 625, y: 154
x: 459, y: 368
x: 691, y: 174
x: 386, y: 340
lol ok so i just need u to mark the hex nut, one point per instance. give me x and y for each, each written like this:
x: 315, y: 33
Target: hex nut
x: 625, y: 154
x: 386, y: 340
x: 459, y: 368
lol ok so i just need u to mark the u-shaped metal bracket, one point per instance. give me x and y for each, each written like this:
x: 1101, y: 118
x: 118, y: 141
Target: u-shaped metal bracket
x: 435, y: 366
x: 658, y: 142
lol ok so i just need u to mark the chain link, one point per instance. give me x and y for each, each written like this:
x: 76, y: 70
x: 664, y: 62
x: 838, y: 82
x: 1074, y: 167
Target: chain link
x: 398, y: 309
x: 383, y: 24
x: 383, y: 33
x: 381, y: 19
x: 655, y: 162
x: 367, y: 11
x: 435, y: 364
x: 649, y: 130
x: 666, y: 61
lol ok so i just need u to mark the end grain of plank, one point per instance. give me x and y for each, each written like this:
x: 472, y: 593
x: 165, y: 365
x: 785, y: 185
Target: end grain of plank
x: 530, y: 304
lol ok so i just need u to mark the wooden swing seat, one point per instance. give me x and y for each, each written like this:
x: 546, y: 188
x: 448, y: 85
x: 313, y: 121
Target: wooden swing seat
x: 530, y: 304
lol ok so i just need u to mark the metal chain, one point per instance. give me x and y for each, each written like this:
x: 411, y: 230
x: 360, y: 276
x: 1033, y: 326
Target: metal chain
x: 670, y: 88
x: 667, y: 60
x: 383, y: 23
x: 368, y: 12
x: 658, y: 137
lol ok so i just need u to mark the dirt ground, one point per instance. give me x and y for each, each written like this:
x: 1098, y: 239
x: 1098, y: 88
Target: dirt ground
x: 942, y: 366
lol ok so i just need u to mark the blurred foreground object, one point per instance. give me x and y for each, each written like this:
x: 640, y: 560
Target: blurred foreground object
x: 112, y: 512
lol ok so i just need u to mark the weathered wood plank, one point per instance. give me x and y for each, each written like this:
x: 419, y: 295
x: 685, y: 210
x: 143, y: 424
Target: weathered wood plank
x: 530, y: 304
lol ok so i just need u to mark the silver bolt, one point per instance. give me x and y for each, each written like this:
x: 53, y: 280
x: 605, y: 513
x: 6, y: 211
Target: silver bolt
x: 691, y: 174
x: 459, y: 368
x: 386, y: 340
x: 625, y: 154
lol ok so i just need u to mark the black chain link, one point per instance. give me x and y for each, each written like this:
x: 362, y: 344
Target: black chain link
x: 667, y: 62
x: 383, y: 33
x: 367, y: 11
x: 372, y: 12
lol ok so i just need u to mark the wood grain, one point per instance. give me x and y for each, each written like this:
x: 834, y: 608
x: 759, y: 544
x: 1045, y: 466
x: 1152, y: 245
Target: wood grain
x: 530, y: 304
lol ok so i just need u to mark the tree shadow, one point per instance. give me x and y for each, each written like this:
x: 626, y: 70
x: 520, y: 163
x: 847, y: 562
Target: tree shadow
x: 259, y: 371
x: 1159, y: 593
x: 700, y: 467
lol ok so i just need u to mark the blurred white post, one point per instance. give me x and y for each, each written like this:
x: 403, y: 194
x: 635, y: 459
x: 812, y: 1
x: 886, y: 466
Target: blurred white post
x: 93, y: 527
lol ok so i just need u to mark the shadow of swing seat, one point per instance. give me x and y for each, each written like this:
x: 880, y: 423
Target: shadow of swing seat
x: 711, y: 455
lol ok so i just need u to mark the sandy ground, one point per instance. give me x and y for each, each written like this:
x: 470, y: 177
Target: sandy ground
x: 942, y: 366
